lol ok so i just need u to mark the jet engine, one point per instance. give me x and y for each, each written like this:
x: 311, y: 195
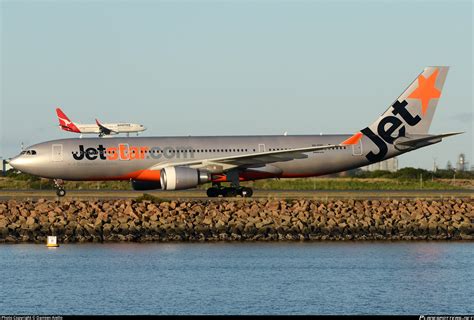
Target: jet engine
x: 179, y: 178
x: 145, y: 185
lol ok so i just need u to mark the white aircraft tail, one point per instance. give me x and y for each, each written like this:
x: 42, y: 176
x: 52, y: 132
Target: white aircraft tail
x: 417, y: 104
x: 412, y: 112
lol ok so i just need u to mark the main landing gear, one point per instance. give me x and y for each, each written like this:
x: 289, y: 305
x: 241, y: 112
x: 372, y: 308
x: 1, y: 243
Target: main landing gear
x: 234, y: 190
x: 58, y: 185
x: 216, y: 191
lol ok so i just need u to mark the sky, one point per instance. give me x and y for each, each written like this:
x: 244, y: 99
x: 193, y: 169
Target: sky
x: 232, y: 67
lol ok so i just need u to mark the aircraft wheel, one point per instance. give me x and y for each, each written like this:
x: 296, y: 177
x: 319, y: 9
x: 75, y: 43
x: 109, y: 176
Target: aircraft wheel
x: 61, y: 192
x: 212, y: 192
x: 229, y: 192
x: 246, y: 192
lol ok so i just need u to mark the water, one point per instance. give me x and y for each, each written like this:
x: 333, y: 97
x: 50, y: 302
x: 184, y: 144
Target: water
x: 239, y: 278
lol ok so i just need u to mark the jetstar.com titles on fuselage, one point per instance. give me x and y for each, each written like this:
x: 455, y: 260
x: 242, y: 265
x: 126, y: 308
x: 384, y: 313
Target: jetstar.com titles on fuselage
x: 124, y: 151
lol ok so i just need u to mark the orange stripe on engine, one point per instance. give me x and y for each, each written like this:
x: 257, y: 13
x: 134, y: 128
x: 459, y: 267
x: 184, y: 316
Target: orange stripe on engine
x: 149, y: 175
x: 353, y: 140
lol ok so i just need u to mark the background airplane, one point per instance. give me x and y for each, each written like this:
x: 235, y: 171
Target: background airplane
x: 174, y: 163
x: 97, y: 128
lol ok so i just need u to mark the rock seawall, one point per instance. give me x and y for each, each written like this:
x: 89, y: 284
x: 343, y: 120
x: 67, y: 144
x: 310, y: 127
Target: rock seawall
x: 126, y: 220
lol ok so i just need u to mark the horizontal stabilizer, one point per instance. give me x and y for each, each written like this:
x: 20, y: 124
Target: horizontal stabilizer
x: 426, y: 140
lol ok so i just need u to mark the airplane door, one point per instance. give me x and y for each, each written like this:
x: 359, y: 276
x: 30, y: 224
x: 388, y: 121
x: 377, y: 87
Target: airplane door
x: 124, y: 151
x: 357, y: 148
x: 57, y: 152
x: 261, y: 147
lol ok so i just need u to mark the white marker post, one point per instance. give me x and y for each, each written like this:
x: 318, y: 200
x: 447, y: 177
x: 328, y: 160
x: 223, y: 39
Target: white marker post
x: 52, y: 242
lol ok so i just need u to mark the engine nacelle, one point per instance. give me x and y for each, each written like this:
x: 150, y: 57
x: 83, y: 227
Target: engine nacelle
x: 179, y: 178
x: 145, y: 185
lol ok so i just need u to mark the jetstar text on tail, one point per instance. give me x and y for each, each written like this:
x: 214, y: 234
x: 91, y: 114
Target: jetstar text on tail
x: 386, y: 129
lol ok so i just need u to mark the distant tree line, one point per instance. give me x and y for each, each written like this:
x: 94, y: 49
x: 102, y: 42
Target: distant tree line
x: 17, y: 175
x: 414, y: 173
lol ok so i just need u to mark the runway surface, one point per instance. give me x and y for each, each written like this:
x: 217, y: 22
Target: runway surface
x: 258, y: 194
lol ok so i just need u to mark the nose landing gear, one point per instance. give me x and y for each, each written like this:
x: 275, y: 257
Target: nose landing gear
x: 58, y: 185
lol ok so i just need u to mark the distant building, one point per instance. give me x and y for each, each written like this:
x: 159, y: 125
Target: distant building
x: 449, y: 166
x: 435, y: 165
x: 462, y: 164
x: 5, y: 166
x: 386, y: 165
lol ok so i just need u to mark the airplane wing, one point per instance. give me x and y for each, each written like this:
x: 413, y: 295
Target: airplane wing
x: 103, y: 129
x: 246, y: 160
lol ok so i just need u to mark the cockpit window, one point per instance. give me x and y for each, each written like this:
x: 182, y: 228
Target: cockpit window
x: 28, y: 152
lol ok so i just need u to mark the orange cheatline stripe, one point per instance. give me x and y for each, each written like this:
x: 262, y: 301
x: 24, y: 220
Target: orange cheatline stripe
x: 149, y: 175
x: 354, y: 139
x: 143, y: 175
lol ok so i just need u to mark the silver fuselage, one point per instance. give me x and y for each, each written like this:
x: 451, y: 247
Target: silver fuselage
x: 75, y: 159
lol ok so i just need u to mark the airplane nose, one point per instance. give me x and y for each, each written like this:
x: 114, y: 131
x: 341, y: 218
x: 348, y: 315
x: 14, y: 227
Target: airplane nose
x: 27, y: 164
x: 19, y: 163
x: 15, y: 162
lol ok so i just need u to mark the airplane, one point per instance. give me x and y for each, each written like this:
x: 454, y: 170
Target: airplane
x: 97, y: 128
x: 176, y: 163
